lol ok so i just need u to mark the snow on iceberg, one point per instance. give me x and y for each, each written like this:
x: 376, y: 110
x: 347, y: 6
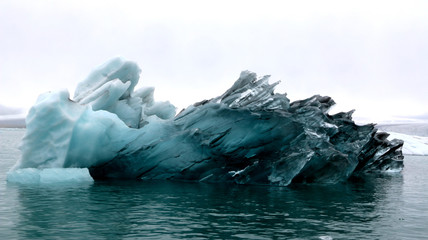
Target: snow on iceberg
x: 248, y: 135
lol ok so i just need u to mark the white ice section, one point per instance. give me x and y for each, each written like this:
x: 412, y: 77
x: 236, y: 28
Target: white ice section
x: 163, y: 110
x: 50, y: 124
x: 413, y: 145
x: 62, y: 133
x: 105, y: 96
x: 97, y: 137
x: 111, y: 87
x: 116, y: 68
x: 49, y: 176
x: 105, y: 116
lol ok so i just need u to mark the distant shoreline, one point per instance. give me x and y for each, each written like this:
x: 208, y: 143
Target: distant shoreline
x: 419, y: 129
x: 12, y: 123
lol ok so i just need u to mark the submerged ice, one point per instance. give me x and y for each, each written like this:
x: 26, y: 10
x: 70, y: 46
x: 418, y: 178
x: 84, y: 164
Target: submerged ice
x: 247, y: 135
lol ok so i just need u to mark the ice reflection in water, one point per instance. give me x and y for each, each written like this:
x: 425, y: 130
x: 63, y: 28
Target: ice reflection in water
x: 131, y: 209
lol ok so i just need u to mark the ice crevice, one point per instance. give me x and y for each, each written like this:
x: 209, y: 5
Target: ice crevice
x: 247, y: 135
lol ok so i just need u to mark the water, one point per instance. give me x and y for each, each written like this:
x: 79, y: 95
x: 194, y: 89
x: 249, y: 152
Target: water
x: 389, y: 206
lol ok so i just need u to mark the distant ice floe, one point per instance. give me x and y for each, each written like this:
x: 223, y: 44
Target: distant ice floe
x: 247, y: 135
x: 413, y: 145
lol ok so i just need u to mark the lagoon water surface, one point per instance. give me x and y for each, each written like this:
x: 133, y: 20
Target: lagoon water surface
x: 381, y: 206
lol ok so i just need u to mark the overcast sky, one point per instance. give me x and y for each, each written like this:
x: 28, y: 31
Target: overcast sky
x: 371, y: 56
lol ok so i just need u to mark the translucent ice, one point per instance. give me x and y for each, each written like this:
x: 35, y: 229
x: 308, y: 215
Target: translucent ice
x: 111, y: 87
x: 248, y: 135
x: 49, y: 176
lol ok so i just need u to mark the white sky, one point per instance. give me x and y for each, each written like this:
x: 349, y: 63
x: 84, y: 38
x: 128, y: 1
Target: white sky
x: 371, y: 56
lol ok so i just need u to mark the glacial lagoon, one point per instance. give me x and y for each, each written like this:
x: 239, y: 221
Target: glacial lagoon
x: 380, y: 206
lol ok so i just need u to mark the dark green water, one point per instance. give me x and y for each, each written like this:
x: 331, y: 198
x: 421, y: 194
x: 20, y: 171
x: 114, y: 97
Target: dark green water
x: 388, y: 206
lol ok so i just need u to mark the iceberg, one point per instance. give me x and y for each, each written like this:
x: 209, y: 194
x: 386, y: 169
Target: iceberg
x: 247, y: 135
